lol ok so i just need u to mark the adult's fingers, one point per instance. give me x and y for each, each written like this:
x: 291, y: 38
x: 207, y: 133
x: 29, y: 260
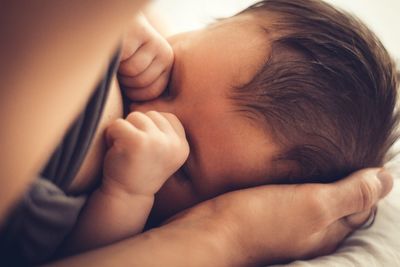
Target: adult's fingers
x: 354, y: 221
x: 358, y: 193
x: 340, y: 229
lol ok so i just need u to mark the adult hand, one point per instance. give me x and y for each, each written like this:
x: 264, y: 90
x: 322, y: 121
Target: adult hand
x: 267, y: 224
x: 146, y: 61
x: 280, y: 223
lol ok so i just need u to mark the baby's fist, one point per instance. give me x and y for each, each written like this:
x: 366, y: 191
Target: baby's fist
x: 146, y: 61
x: 145, y: 149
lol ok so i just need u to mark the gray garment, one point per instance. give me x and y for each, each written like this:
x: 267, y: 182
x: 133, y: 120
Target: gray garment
x: 46, y: 214
x: 67, y: 158
x: 41, y: 222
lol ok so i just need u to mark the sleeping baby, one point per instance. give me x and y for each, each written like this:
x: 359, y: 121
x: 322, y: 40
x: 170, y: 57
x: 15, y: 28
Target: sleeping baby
x: 283, y: 92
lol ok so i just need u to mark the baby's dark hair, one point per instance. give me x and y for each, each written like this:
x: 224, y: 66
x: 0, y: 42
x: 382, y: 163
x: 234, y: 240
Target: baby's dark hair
x: 327, y: 91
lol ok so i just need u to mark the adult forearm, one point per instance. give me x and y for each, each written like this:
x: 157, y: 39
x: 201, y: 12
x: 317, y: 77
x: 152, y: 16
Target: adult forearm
x: 240, y: 228
x: 171, y: 245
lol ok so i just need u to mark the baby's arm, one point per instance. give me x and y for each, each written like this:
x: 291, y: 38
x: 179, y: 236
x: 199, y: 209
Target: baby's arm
x: 120, y: 207
x: 144, y: 150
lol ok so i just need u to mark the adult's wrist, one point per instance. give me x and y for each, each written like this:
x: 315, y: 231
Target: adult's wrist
x: 211, y: 230
x: 204, y: 242
x: 179, y: 243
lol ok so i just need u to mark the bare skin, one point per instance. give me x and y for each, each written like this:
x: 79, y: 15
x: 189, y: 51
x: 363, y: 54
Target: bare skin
x: 219, y: 159
x: 143, y: 150
x: 209, y: 233
x: 146, y: 62
x: 213, y: 139
x: 146, y: 149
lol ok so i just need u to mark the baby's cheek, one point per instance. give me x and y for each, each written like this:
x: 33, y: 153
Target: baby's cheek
x: 174, y: 196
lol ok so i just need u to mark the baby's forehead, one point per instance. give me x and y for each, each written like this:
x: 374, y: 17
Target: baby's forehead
x: 246, y: 32
x: 247, y: 20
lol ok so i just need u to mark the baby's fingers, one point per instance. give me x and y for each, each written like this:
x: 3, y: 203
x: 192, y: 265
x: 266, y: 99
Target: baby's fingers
x: 138, y: 62
x: 146, y: 77
x: 120, y: 129
x: 142, y: 122
x: 149, y: 92
x: 160, y: 121
x: 173, y: 128
x: 175, y: 124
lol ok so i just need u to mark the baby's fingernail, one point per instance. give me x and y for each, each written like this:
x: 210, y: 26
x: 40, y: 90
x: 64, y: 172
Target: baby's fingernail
x: 386, y: 181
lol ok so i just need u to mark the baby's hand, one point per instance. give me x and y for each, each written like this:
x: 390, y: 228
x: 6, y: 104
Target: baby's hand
x: 144, y: 150
x: 146, y: 61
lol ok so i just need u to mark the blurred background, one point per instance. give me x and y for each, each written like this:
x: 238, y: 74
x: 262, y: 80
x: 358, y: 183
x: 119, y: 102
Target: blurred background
x: 382, y: 16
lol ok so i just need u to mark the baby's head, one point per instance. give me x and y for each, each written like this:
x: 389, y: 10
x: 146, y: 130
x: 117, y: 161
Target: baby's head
x: 327, y: 91
x: 285, y: 91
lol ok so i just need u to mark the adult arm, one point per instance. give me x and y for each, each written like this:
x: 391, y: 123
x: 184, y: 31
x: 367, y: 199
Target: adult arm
x: 52, y: 55
x: 266, y: 224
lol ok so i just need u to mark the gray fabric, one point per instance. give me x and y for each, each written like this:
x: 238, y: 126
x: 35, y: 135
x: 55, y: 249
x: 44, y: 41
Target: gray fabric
x: 70, y: 153
x: 42, y: 221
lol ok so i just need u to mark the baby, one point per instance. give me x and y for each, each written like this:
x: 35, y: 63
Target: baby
x: 283, y: 92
